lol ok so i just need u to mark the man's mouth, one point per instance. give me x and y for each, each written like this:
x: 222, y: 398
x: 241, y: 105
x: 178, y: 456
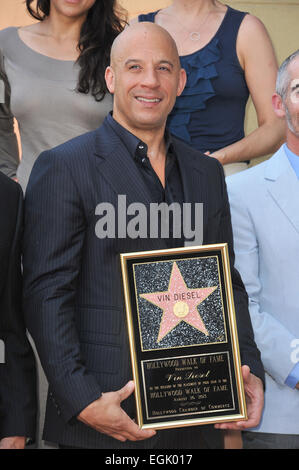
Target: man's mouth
x: 148, y: 100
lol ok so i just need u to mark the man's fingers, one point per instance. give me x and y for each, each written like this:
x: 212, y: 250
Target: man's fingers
x: 133, y: 431
x: 126, y: 391
x: 237, y: 426
x: 245, y: 373
x: 107, y: 416
x: 254, y: 398
x: 141, y: 434
x: 128, y: 430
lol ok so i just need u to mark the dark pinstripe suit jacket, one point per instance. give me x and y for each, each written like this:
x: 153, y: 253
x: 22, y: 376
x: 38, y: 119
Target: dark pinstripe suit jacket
x: 73, y: 294
x: 17, y: 374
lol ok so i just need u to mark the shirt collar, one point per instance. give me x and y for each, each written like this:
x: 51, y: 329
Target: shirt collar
x: 293, y: 159
x: 136, y: 147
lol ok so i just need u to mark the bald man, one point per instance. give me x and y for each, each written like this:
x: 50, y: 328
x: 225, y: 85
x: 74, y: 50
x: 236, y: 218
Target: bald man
x: 74, y: 234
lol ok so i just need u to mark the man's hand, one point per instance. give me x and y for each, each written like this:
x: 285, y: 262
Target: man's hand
x: 254, y: 394
x: 106, y: 415
x: 219, y: 155
x: 16, y: 442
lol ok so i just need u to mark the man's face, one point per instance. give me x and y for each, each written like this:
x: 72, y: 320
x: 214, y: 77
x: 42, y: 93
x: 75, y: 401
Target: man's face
x: 145, y: 78
x: 291, y: 103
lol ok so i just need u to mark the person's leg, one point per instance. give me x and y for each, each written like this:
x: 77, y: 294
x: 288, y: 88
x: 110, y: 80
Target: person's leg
x: 260, y: 440
x: 193, y: 437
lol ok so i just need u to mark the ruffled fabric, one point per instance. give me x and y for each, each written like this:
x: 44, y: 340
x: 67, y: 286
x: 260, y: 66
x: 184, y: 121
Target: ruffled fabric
x: 200, y: 68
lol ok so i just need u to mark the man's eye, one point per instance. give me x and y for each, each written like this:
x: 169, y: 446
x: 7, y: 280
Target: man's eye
x: 134, y: 67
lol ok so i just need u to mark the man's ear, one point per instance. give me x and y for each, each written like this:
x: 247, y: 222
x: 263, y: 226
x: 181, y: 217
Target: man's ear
x: 182, y: 82
x: 109, y: 77
x: 278, y: 106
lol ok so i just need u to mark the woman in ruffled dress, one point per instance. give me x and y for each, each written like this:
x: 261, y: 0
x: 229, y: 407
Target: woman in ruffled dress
x: 228, y: 56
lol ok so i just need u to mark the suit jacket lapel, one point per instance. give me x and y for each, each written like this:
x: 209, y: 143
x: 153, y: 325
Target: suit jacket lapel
x: 117, y: 166
x: 194, y: 185
x: 283, y: 185
x: 192, y: 175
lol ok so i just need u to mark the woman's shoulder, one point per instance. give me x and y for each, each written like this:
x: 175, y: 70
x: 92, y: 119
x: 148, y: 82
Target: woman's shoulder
x: 252, y: 25
x: 9, y: 44
x: 253, y: 36
x: 8, y: 33
x: 8, y: 36
x: 249, y: 23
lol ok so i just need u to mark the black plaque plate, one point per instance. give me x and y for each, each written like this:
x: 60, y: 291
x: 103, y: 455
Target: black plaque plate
x: 183, y: 337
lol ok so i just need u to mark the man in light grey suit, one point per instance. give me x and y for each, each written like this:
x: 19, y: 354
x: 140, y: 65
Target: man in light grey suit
x: 265, y: 216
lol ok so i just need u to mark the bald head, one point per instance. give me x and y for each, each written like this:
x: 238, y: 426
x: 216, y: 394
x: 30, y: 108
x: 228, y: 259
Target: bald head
x: 145, y: 77
x: 147, y: 33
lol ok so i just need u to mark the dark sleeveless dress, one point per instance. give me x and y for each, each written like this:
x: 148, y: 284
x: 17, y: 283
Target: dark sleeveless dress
x: 209, y: 114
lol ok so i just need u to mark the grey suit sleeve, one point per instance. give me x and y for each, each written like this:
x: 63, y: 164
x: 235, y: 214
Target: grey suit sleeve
x: 9, y: 151
x: 53, y: 243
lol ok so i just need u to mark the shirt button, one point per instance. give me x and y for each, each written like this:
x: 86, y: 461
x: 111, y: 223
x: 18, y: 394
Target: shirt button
x: 141, y: 147
x: 143, y: 160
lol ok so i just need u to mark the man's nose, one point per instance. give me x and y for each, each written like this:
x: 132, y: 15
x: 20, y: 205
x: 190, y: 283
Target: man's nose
x: 150, y: 78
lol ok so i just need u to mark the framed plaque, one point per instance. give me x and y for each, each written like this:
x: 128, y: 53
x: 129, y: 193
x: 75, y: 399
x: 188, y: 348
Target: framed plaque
x: 183, y: 337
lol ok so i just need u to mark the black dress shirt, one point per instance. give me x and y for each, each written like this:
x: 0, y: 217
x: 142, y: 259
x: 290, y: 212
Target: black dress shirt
x: 173, y: 190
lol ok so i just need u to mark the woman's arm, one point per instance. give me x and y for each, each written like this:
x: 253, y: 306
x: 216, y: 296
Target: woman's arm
x: 9, y: 151
x: 257, y: 58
